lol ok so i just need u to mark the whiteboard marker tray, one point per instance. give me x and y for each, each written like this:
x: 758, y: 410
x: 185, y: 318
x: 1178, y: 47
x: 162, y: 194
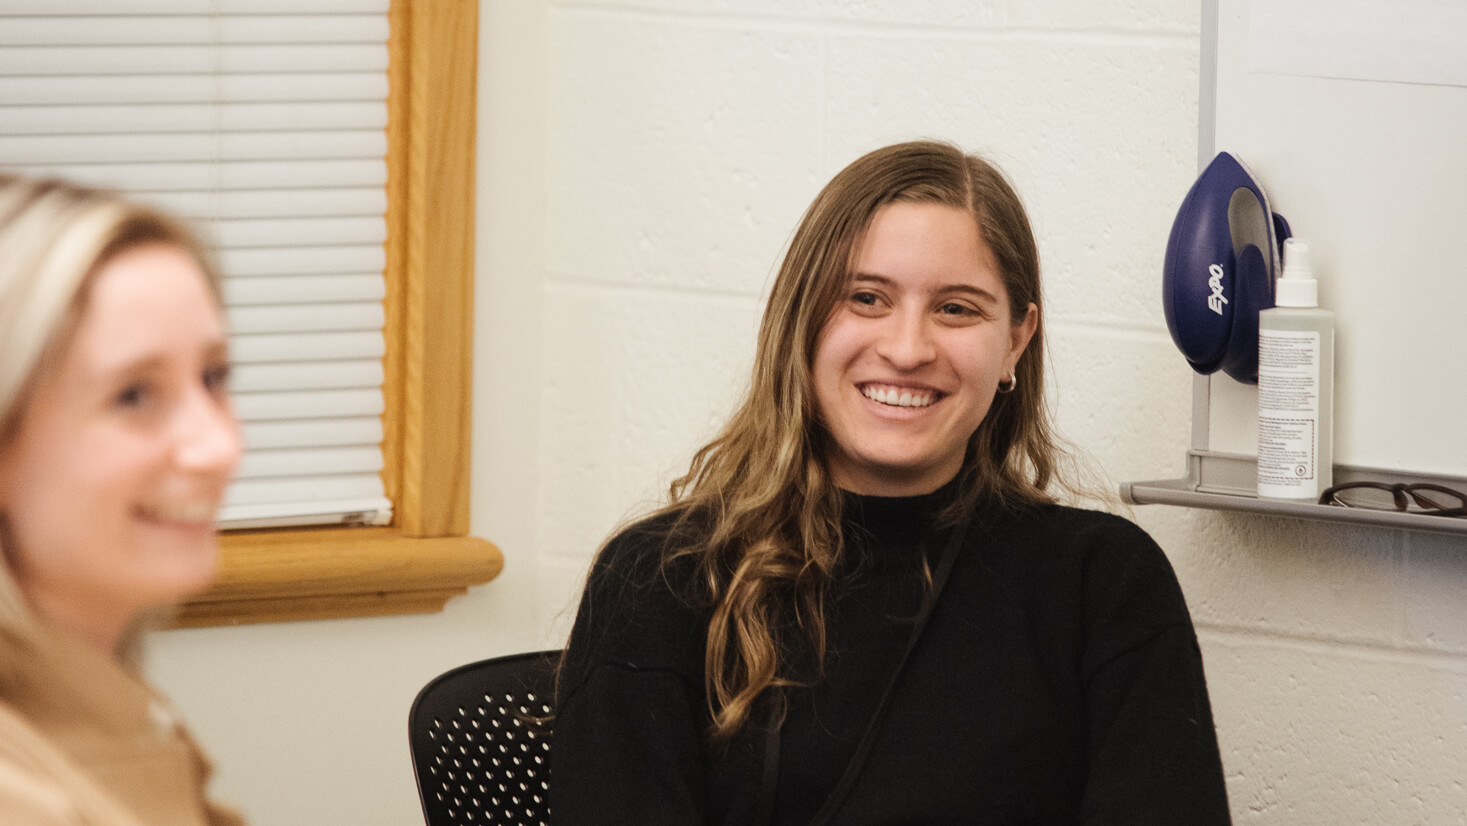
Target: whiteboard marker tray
x: 1225, y: 481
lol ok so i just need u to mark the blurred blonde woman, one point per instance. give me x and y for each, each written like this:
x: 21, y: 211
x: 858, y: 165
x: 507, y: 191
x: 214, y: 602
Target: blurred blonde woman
x: 117, y: 440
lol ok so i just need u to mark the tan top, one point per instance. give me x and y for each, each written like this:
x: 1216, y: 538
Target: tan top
x: 84, y: 741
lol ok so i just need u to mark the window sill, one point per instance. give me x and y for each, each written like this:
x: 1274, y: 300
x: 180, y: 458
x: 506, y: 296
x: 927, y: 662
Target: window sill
x: 288, y: 575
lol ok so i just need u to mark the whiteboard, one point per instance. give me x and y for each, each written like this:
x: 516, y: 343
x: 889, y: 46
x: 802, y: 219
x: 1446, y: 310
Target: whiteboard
x: 1373, y: 174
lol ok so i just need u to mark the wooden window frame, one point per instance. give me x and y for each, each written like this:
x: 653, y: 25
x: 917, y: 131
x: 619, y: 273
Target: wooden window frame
x: 426, y: 556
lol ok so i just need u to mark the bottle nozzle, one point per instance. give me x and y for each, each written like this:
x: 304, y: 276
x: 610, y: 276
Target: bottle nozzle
x: 1296, y: 286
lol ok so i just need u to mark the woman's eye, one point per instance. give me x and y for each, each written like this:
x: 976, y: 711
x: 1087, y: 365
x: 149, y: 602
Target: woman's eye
x: 216, y: 378
x: 953, y: 309
x: 868, y: 299
x: 134, y: 395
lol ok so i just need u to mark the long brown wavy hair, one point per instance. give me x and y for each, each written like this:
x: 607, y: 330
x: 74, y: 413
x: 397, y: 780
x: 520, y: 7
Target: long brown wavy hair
x: 768, y: 515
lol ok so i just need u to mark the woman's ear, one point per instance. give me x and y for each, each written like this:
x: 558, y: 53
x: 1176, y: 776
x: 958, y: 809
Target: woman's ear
x: 1021, y: 333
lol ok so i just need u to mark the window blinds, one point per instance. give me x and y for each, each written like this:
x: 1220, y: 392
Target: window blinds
x: 264, y: 122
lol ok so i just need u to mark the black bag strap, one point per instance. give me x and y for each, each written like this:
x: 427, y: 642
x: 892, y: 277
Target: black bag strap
x: 858, y: 759
x: 765, y: 812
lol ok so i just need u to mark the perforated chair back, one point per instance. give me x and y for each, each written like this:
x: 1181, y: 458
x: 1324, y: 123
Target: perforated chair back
x: 480, y: 740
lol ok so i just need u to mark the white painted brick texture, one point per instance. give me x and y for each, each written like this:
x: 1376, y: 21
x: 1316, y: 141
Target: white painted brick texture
x: 1314, y: 734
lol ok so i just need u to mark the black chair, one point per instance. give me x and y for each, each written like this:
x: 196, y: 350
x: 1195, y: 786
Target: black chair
x: 480, y: 740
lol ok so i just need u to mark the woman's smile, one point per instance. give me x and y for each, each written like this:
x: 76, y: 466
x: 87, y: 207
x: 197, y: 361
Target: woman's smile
x: 894, y: 396
x: 182, y: 514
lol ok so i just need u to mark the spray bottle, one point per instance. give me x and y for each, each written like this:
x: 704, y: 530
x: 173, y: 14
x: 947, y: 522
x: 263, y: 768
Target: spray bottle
x: 1296, y: 388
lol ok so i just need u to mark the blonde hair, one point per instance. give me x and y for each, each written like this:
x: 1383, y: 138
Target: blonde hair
x: 758, y: 502
x: 54, y: 237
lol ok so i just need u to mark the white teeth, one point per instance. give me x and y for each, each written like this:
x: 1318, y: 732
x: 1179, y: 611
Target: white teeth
x: 897, y: 398
x: 182, y: 512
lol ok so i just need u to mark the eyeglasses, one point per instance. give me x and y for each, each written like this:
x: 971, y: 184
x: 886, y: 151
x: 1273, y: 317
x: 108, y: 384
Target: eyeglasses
x: 1422, y: 497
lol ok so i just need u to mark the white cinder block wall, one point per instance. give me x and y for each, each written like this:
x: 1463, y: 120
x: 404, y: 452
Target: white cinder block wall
x: 642, y: 163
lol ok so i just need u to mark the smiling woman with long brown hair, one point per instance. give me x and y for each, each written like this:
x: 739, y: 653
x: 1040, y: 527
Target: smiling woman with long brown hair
x: 862, y: 604
x: 117, y: 440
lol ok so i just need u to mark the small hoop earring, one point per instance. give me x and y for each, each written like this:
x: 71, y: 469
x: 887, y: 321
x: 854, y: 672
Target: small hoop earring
x: 1008, y: 385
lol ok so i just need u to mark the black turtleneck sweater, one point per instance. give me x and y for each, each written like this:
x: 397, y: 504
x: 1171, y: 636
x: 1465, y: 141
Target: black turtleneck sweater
x: 1057, y: 682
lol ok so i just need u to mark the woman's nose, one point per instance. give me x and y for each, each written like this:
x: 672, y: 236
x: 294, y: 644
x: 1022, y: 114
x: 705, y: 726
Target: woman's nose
x: 906, y: 342
x: 210, y: 440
